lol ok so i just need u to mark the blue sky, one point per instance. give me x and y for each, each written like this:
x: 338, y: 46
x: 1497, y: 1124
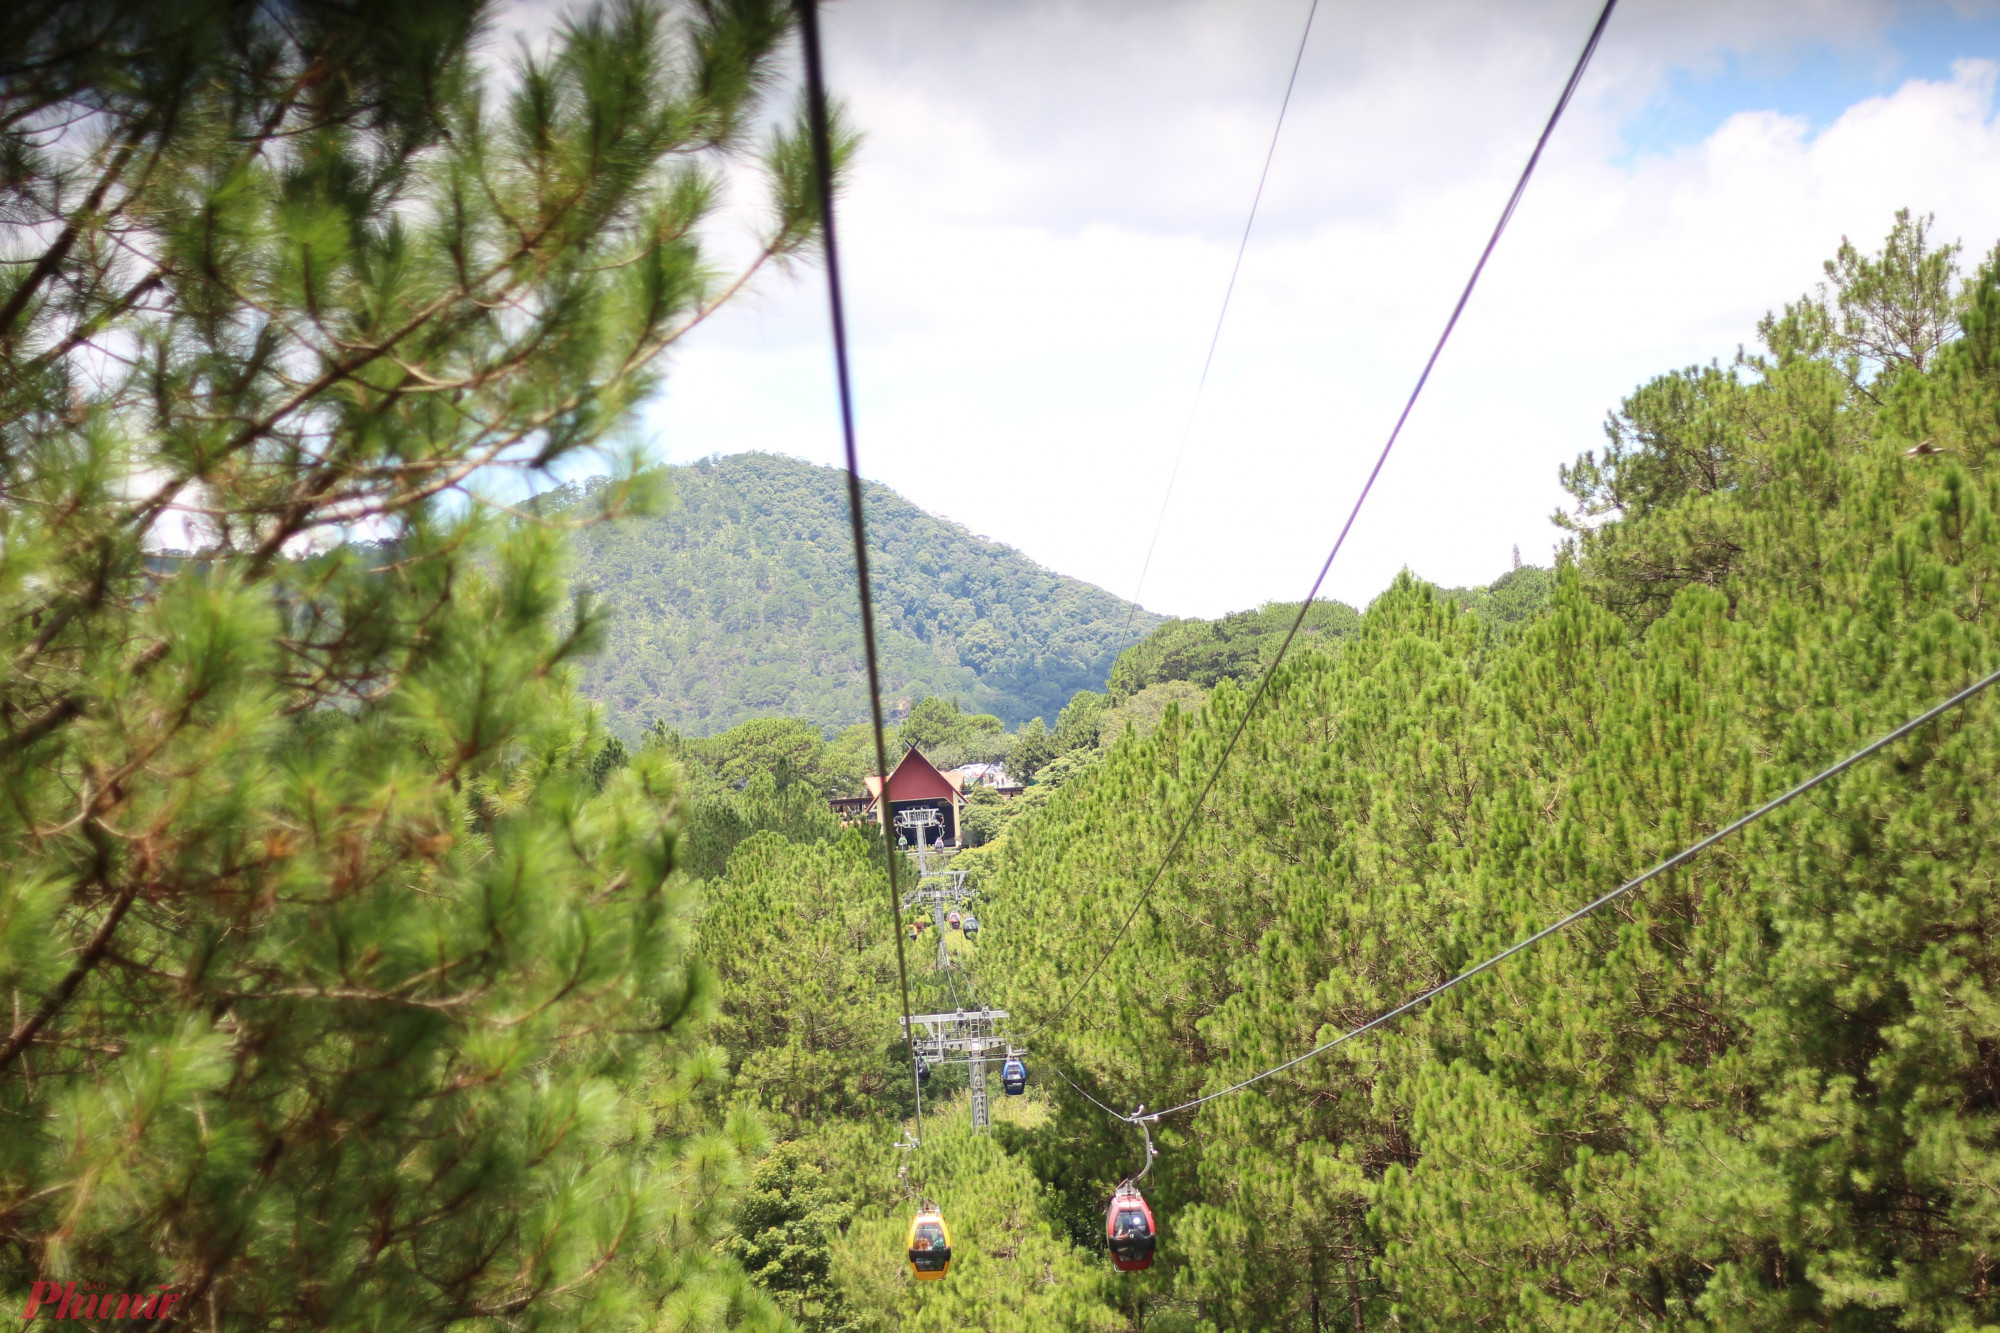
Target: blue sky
x: 1815, y: 78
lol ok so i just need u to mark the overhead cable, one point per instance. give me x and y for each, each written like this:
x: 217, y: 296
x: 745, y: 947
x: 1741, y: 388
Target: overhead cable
x: 1678, y: 859
x: 822, y: 152
x: 1228, y: 291
x: 1119, y: 1115
x: 1264, y: 680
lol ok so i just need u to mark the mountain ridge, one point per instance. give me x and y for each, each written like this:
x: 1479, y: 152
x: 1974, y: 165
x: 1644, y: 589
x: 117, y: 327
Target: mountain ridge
x: 738, y: 602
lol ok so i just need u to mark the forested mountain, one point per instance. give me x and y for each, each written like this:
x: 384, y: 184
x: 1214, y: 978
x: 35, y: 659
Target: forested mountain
x: 738, y: 601
x: 1757, y: 1095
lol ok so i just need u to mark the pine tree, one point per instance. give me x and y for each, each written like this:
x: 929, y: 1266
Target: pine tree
x: 340, y: 994
x: 1757, y: 1095
x: 785, y: 1232
x: 805, y: 953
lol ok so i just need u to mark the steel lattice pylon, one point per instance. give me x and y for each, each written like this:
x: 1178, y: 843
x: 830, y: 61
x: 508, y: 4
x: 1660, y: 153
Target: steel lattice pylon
x: 972, y: 1036
x: 938, y: 890
x: 976, y: 1068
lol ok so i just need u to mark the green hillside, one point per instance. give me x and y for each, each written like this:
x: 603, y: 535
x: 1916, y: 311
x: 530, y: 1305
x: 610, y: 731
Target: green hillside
x: 1231, y: 647
x: 1239, y: 645
x: 739, y: 602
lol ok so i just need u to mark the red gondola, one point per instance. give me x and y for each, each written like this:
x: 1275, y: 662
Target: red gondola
x: 1128, y: 1228
x: 1128, y: 1223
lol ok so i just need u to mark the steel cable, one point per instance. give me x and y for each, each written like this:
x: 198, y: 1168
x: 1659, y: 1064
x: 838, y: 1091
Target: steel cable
x: 1678, y: 859
x: 1215, y: 337
x: 1284, y: 646
x: 822, y: 152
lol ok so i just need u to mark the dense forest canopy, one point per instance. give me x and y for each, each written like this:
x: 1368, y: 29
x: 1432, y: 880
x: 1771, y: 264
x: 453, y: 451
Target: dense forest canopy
x: 1239, y: 646
x: 738, y: 602
x: 1233, y: 647
x: 1758, y: 1096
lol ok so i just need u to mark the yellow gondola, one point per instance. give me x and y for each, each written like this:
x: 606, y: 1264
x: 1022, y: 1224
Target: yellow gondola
x: 930, y: 1245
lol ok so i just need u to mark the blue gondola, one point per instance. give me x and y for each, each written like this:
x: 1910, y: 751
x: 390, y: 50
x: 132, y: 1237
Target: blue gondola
x: 1013, y: 1077
x: 971, y: 925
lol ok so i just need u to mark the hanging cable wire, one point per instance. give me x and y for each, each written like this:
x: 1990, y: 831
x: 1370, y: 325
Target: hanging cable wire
x: 953, y: 986
x: 1087, y: 1097
x: 1678, y: 859
x: 1215, y: 337
x: 822, y: 151
x: 1264, y: 680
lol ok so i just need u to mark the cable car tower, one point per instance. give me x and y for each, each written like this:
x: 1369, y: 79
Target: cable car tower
x: 969, y: 1037
x: 939, y: 890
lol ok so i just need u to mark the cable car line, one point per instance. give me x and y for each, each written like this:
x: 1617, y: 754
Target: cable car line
x: 1228, y: 292
x: 822, y: 152
x: 1143, y: 1118
x: 1264, y: 680
x: 1087, y: 1097
x: 1131, y: 1231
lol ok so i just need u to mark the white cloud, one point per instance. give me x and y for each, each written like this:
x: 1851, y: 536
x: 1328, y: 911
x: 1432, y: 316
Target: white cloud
x: 1048, y: 205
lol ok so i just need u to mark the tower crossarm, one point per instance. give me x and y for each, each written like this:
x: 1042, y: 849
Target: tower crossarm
x: 965, y: 1034
x: 926, y: 895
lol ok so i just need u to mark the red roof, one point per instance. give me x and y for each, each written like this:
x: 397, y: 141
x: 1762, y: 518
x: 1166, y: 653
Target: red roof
x: 917, y: 779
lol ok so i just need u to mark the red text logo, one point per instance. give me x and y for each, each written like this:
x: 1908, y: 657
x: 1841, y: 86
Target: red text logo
x: 64, y: 1301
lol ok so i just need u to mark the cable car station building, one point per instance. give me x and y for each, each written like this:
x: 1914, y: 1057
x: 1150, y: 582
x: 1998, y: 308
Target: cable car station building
x: 915, y: 785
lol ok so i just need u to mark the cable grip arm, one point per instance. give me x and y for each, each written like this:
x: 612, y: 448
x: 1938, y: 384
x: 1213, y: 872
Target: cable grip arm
x: 1143, y: 1121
